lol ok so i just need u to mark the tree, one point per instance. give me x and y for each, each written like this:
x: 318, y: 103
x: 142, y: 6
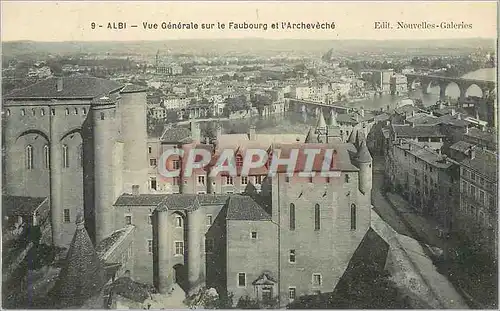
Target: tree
x: 234, y: 104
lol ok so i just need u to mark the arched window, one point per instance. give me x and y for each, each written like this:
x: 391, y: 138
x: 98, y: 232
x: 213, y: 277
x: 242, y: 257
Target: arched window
x: 33, y: 112
x: 317, y: 222
x: 269, y: 159
x: 29, y: 157
x: 353, y: 216
x: 239, y: 160
x: 8, y: 112
x: 84, y: 111
x: 292, y: 216
x: 102, y: 115
x: 42, y: 112
x: 23, y: 112
x: 65, y: 156
x: 76, y: 110
x: 67, y: 111
x: 46, y: 156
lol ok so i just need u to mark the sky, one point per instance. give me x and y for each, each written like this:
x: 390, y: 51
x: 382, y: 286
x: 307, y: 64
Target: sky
x: 71, y: 21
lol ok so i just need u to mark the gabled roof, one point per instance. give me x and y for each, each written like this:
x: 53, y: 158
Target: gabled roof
x: 82, y: 275
x: 242, y: 207
x: 176, y: 135
x: 485, y: 162
x: 20, y: 206
x: 461, y: 146
x: 73, y: 87
x: 321, y: 120
x: 420, y: 130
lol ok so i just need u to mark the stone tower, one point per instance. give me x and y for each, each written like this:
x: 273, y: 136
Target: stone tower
x: 364, y: 162
x: 104, y: 131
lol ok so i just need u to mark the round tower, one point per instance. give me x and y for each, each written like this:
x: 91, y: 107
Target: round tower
x: 104, y: 131
x: 132, y: 111
x: 364, y: 162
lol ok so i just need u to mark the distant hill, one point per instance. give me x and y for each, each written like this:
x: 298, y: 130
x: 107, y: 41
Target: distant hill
x: 245, y: 46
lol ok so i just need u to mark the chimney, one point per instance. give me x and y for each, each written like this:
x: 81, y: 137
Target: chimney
x: 59, y: 84
x: 477, y: 114
x: 135, y: 189
x: 459, y: 116
x: 452, y: 111
x: 195, y: 131
x: 441, y: 106
x: 251, y: 133
x: 472, y: 152
x: 413, y: 113
x: 362, y: 112
x: 466, y: 129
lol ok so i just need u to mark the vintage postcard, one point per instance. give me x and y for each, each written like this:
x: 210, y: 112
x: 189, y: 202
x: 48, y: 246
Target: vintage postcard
x: 249, y: 155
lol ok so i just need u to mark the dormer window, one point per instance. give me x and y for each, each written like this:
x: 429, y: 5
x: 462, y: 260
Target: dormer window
x: 239, y: 160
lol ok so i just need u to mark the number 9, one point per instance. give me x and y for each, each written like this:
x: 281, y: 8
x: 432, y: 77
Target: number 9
x: 92, y: 25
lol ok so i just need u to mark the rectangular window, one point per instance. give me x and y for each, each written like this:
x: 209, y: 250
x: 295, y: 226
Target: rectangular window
x: 254, y: 235
x: 228, y: 180
x: 292, y: 292
x: 244, y: 180
x: 152, y: 182
x: 209, y: 220
x: 176, y: 180
x: 66, y: 216
x: 179, y: 248
x: 152, y: 162
x: 149, y: 150
x: 291, y: 257
x: 287, y: 178
x: 353, y: 217
x: 346, y: 178
x: 150, y: 246
x: 128, y: 219
x: 201, y: 180
x: 292, y: 216
x: 316, y: 279
x: 473, y: 176
x: 258, y: 180
x: 178, y: 221
x: 242, y: 279
x: 481, y: 197
x: 209, y: 246
x: 317, y: 223
x: 176, y: 164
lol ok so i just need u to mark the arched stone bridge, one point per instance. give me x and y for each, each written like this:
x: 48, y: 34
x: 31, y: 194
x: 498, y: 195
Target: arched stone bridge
x: 487, y: 87
x: 314, y: 107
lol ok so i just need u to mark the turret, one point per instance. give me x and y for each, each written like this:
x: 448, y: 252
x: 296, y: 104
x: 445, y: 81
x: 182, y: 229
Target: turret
x: 321, y: 125
x: 364, y: 162
x: 104, y: 129
x: 132, y: 111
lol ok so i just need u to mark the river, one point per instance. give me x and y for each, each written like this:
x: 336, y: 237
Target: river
x: 293, y: 122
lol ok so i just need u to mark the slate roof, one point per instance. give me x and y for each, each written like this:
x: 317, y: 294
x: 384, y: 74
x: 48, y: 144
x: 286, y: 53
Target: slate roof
x: 483, y: 135
x: 175, y: 201
x: 245, y: 208
x: 485, y: 162
x: 20, y: 206
x: 82, y: 275
x: 417, y: 130
x: 74, y: 87
x: 176, y: 135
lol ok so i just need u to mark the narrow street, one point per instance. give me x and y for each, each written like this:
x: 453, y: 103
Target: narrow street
x: 418, y: 229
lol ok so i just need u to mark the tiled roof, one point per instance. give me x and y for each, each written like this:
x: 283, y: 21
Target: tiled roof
x: 417, y: 130
x: 341, y: 160
x: 82, y: 275
x: 242, y: 207
x: 176, y: 135
x: 17, y: 205
x: 130, y: 289
x: 485, y: 162
x: 133, y: 88
x: 483, y: 135
x: 461, y: 146
x: 77, y: 86
x: 140, y: 200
